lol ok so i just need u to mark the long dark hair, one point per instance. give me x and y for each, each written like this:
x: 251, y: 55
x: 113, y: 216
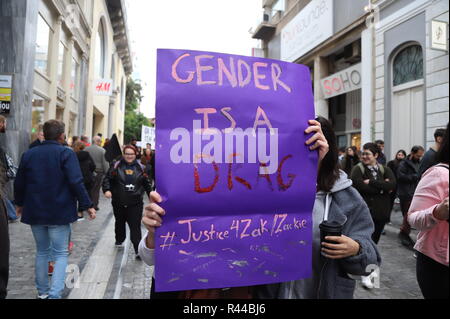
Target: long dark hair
x: 400, y: 151
x: 329, y: 169
x: 349, y: 161
x: 443, y: 155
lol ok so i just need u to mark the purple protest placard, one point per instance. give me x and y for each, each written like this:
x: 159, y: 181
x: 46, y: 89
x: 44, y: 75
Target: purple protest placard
x: 237, y: 180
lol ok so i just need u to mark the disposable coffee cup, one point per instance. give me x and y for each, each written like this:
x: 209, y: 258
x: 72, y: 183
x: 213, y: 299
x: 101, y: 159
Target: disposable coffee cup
x: 329, y: 229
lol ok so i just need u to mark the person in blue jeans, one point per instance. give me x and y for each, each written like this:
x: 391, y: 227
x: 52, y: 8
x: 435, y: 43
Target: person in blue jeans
x: 9, y: 204
x: 47, y: 188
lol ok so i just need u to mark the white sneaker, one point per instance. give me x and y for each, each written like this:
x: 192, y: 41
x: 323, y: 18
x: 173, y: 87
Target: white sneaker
x: 42, y: 297
x: 367, y: 282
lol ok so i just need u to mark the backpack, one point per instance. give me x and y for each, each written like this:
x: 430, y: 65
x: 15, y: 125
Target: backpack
x: 361, y: 167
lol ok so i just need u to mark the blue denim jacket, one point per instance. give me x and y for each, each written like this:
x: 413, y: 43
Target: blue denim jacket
x: 48, y: 185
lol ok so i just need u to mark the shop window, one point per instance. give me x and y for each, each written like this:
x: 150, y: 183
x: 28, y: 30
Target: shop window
x: 37, y: 115
x: 42, y: 46
x: 341, y: 104
x: 60, y: 114
x: 342, y: 141
x: 113, y: 71
x: 100, y: 52
x: 408, y: 65
x: 61, y: 63
x: 72, y: 123
x: 356, y: 140
x: 75, y: 79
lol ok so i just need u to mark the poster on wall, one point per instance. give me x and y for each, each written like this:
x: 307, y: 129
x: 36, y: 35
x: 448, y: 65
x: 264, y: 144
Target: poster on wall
x: 5, y: 93
x: 237, y: 180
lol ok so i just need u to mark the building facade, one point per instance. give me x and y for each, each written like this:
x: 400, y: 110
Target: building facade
x: 69, y: 60
x: 366, y: 61
x: 411, y: 72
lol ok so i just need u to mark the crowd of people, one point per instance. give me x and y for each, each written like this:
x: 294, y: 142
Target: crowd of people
x: 57, y: 183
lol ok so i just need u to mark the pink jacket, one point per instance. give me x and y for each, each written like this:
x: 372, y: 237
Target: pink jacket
x: 433, y: 237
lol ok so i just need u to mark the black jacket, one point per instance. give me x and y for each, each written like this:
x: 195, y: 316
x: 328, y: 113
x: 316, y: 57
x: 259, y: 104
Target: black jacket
x: 429, y: 160
x: 382, y: 159
x: 121, y: 175
x: 408, y: 178
x: 376, y: 194
x: 35, y: 143
x: 393, y: 165
x: 87, y: 167
x: 347, y: 164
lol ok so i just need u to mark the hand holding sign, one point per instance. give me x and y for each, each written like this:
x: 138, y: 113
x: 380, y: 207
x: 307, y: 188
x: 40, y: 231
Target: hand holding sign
x: 153, y: 218
x: 317, y: 141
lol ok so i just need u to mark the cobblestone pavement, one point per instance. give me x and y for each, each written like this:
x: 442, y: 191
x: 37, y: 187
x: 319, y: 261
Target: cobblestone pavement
x: 131, y: 278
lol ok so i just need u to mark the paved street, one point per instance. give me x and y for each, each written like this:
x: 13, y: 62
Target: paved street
x: 111, y: 273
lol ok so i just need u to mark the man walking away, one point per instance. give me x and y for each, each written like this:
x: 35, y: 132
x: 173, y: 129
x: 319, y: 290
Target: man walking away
x: 102, y: 166
x: 382, y: 158
x: 408, y: 178
x: 4, y: 235
x: 46, y: 189
x: 430, y: 157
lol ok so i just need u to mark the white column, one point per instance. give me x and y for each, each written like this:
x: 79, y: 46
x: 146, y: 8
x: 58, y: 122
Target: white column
x: 53, y: 74
x: 367, y: 91
x: 320, y: 72
x: 67, y: 82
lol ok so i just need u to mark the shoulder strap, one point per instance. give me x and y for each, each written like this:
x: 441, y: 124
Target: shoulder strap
x: 361, y: 167
x: 116, y: 164
x: 381, y: 167
x: 442, y: 165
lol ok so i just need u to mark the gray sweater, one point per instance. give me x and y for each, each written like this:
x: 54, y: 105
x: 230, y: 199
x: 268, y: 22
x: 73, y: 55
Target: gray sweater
x: 330, y: 279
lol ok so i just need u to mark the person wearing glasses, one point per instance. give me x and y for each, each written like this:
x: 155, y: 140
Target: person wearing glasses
x: 126, y: 183
x: 374, y: 182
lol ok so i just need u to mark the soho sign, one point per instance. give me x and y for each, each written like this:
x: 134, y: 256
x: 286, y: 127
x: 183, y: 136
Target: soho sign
x: 342, y: 82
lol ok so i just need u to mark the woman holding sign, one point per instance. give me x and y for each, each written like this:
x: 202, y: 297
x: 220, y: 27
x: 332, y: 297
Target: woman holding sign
x: 126, y: 183
x: 339, y: 254
x: 342, y: 243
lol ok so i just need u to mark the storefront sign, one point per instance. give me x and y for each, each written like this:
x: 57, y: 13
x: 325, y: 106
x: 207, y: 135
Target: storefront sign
x: 237, y: 180
x: 5, y: 93
x: 342, y: 82
x: 312, y: 26
x: 439, y: 35
x: 103, y: 87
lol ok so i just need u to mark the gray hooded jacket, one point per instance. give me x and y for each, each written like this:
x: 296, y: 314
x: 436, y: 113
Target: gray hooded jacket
x: 330, y: 278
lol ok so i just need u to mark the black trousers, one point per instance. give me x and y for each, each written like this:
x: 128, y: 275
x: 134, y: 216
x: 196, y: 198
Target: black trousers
x: 432, y: 278
x: 379, y: 226
x: 131, y: 215
x: 95, y: 189
x: 4, y: 251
